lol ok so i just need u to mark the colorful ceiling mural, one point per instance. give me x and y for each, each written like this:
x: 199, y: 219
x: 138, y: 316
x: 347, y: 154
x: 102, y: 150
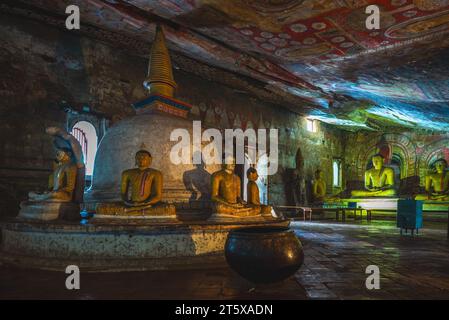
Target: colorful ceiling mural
x: 317, y: 50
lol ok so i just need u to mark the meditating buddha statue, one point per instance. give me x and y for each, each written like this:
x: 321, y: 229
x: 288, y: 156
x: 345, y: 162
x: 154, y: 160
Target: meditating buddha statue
x: 65, y: 184
x: 437, y: 183
x: 61, y: 182
x: 225, y: 194
x: 379, y: 181
x: 319, y: 187
x: 141, y: 192
x: 253, y: 192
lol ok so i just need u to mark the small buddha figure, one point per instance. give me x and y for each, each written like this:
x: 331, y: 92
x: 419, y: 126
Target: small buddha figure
x: 319, y: 187
x: 253, y: 192
x: 379, y: 181
x: 225, y: 195
x: 141, y: 192
x: 65, y: 185
x: 437, y: 183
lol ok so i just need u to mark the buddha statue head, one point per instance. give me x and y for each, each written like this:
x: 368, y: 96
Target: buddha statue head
x: 252, y: 174
x: 143, y: 159
x: 378, y: 161
x: 229, y: 164
x: 53, y: 130
x: 63, y: 155
x: 318, y: 174
x: 440, y: 165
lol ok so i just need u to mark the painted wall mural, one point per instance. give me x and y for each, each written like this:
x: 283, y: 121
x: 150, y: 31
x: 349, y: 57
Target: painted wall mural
x: 315, y: 50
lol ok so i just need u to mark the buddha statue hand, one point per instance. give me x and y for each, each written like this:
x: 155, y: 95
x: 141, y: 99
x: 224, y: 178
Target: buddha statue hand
x: 33, y: 195
x: 58, y: 196
x: 241, y: 203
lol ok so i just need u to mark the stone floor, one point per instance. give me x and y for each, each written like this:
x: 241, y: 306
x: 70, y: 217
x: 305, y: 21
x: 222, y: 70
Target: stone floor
x: 336, y: 254
x: 336, y: 257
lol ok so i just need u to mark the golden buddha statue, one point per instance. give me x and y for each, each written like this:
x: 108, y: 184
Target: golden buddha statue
x: 437, y: 183
x: 226, y: 191
x: 379, y: 181
x: 61, y: 182
x: 319, y: 187
x: 65, y: 184
x: 253, y: 192
x: 141, y: 192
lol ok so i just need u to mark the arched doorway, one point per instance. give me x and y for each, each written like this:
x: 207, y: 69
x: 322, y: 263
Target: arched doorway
x: 86, y: 134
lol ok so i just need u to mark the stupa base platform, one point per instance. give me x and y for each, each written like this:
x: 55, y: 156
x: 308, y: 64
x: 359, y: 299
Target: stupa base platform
x: 387, y: 204
x: 109, y: 246
x: 380, y: 203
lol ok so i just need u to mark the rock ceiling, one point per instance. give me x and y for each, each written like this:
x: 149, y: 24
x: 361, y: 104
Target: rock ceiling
x: 315, y: 54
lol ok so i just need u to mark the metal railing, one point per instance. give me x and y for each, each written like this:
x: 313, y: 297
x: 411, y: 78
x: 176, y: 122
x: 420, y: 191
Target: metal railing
x: 80, y: 135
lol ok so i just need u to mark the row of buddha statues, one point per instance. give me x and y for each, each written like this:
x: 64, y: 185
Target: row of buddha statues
x: 141, y: 193
x: 380, y: 182
x: 141, y: 187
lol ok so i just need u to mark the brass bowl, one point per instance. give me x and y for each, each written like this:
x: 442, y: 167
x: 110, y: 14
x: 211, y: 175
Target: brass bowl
x: 264, y: 254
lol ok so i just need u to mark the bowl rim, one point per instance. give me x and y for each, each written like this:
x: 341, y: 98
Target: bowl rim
x: 261, y: 231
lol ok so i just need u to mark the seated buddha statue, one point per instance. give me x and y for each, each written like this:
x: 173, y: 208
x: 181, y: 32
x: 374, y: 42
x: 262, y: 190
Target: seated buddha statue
x: 253, y: 192
x: 141, y: 192
x: 225, y: 194
x: 319, y: 187
x: 65, y: 184
x: 437, y: 183
x: 61, y: 182
x: 379, y: 181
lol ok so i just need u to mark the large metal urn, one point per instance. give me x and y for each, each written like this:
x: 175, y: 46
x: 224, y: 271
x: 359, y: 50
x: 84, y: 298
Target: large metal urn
x: 264, y: 254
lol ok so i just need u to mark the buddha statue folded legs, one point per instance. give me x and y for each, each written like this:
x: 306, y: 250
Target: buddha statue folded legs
x: 374, y: 192
x: 235, y: 210
x: 437, y: 183
x: 379, y: 181
x: 433, y: 197
x: 141, y: 192
x: 119, y: 209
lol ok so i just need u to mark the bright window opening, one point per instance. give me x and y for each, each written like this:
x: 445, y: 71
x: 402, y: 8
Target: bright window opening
x: 311, y: 125
x: 86, y: 134
x: 336, y: 169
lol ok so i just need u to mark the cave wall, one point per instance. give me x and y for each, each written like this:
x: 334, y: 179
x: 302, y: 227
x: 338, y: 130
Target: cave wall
x: 44, y: 70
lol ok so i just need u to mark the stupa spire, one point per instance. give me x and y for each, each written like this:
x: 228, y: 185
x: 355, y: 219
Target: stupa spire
x: 160, y: 79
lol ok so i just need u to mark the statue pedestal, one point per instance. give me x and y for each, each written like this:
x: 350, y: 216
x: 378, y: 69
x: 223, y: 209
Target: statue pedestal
x: 46, y: 210
x: 120, y: 245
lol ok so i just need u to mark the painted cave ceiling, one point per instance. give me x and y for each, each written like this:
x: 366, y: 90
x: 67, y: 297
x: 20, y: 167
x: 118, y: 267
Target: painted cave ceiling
x: 317, y: 54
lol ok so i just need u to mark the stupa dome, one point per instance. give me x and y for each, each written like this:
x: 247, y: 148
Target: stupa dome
x: 116, y: 153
